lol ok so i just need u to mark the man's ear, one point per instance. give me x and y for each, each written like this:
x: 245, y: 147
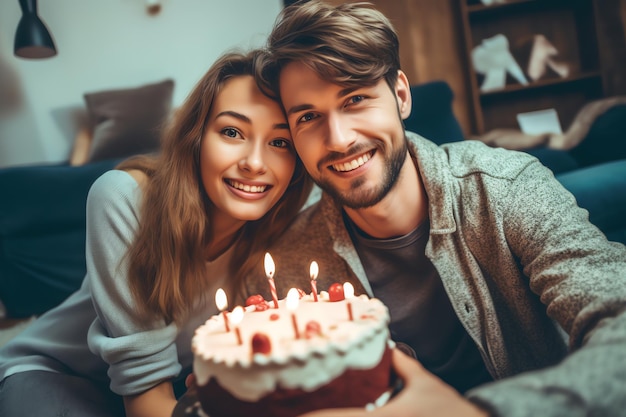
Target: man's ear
x: 403, y: 95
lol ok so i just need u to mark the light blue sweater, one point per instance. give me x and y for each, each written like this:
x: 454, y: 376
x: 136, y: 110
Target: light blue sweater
x: 94, y: 333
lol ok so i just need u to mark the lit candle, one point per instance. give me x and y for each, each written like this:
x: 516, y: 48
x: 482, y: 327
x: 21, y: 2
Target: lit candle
x: 313, y: 271
x: 222, y: 304
x: 348, y: 292
x: 292, y: 304
x: 235, y: 317
x: 269, y: 272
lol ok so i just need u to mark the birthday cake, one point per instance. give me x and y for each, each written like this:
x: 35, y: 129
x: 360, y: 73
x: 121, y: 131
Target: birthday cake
x: 311, y: 352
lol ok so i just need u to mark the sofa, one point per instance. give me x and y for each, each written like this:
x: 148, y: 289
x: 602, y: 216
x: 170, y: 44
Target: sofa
x: 42, y: 210
x: 42, y: 234
x: 594, y: 171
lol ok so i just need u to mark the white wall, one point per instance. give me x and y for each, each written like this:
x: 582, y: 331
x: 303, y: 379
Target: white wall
x: 106, y: 44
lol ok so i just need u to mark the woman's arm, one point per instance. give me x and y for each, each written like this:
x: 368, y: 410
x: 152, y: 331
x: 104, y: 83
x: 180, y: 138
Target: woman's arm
x: 156, y: 402
x: 140, y: 355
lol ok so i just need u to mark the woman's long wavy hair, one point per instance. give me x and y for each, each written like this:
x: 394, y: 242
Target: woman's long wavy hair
x: 167, y: 264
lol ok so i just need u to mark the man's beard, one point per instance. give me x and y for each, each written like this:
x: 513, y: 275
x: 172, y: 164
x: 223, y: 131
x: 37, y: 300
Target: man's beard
x: 357, y: 198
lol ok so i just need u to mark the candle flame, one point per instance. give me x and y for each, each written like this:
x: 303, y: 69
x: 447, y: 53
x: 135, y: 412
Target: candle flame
x: 269, y: 265
x: 293, y: 298
x: 348, y: 290
x: 220, y: 299
x: 314, y: 270
x: 237, y: 315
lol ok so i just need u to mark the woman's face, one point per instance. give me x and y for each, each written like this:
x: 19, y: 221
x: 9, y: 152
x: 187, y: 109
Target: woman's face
x: 247, y: 156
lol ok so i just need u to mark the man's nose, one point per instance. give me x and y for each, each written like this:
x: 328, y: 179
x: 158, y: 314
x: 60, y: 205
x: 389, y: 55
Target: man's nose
x: 341, y: 136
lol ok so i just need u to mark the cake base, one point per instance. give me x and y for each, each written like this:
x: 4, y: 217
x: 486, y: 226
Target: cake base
x: 354, y: 388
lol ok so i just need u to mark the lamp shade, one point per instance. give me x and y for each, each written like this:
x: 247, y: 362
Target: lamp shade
x: 32, y: 39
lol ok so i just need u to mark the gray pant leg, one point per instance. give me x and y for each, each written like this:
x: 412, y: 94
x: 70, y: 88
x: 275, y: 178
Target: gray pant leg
x: 49, y: 394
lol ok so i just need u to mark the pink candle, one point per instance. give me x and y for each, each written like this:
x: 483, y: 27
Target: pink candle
x: 348, y: 293
x: 269, y: 272
x: 313, y: 271
x: 292, y: 304
x: 222, y: 303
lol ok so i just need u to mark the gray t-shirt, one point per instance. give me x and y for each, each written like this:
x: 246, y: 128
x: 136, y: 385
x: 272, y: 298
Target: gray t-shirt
x: 422, y: 317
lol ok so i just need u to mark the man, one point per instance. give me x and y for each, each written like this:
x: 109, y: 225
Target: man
x: 510, y: 299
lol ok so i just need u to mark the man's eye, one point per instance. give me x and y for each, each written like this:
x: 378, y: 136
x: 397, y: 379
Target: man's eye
x: 356, y: 99
x: 280, y: 143
x: 307, y: 117
x: 230, y: 132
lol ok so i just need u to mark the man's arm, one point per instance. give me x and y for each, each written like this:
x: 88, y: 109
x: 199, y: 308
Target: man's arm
x: 580, y: 277
x: 423, y: 395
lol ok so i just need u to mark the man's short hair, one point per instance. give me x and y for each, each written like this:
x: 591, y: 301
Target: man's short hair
x: 352, y: 44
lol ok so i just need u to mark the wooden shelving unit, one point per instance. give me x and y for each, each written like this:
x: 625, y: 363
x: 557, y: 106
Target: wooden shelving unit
x: 570, y: 25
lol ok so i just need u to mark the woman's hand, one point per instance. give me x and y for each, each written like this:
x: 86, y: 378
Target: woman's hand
x: 423, y: 395
x: 190, y: 383
x: 158, y: 401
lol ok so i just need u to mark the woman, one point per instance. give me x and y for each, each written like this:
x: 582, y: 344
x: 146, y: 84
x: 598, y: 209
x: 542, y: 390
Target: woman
x: 163, y: 234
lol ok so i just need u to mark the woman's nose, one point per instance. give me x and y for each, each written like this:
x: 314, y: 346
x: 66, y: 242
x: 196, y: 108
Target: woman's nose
x: 253, y: 161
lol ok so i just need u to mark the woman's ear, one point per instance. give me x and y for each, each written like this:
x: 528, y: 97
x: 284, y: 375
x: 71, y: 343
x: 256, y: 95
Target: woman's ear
x: 403, y: 95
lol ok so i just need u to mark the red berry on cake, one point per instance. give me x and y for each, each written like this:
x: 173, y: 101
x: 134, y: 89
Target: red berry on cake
x: 261, y: 344
x: 261, y: 306
x: 312, y: 329
x: 258, y: 302
x: 254, y: 300
x: 335, y: 292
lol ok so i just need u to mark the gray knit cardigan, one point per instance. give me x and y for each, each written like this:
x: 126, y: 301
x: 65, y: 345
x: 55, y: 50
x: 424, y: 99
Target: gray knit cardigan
x: 539, y: 289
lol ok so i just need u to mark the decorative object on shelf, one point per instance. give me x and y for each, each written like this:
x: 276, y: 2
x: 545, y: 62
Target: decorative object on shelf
x: 571, y: 62
x: 538, y: 122
x: 543, y: 56
x: 493, y: 59
x: 32, y: 39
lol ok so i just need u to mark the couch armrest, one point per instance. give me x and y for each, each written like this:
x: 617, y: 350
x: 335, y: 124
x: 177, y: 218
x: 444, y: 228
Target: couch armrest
x: 600, y: 189
x: 45, y: 198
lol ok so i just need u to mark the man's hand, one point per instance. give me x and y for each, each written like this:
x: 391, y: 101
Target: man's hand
x: 423, y: 395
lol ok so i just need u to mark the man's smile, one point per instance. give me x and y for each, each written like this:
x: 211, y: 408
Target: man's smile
x: 354, y: 163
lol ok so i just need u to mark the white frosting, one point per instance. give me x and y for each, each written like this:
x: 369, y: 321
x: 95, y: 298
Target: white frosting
x: 305, y: 363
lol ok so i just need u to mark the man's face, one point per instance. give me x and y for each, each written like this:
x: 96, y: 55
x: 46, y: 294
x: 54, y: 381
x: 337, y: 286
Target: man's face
x: 351, y: 141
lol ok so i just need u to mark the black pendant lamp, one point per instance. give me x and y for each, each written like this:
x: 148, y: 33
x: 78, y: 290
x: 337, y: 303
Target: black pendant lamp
x: 32, y: 39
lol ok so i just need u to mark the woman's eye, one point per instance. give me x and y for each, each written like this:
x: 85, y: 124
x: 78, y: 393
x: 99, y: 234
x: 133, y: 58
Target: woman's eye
x: 280, y: 143
x: 230, y: 132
